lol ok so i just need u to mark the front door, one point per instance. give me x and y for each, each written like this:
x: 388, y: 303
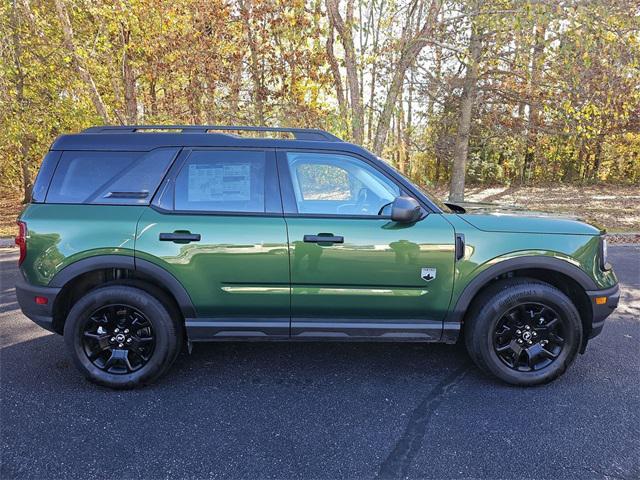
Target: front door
x: 354, y: 272
x: 217, y: 226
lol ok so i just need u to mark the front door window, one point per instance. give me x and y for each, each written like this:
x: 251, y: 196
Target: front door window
x: 334, y: 184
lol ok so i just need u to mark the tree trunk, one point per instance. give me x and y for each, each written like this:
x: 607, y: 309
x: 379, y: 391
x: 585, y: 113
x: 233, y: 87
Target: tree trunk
x: 115, y: 78
x: 153, y: 97
x: 469, y: 92
x: 27, y: 183
x: 254, y: 65
x: 236, y: 84
x: 410, y: 50
x: 533, y: 112
x: 26, y: 138
x: 597, y: 158
x: 374, y: 76
x: 437, y: 75
x: 581, y: 155
x: 335, y: 72
x: 194, y: 100
x: 78, y: 63
x: 400, y: 146
x: 129, y: 80
x: 344, y: 29
x: 408, y: 128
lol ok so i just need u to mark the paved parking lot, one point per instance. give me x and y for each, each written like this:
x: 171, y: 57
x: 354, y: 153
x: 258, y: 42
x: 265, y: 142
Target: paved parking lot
x: 322, y: 410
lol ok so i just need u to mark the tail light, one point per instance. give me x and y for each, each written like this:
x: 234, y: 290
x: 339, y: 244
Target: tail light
x: 21, y: 241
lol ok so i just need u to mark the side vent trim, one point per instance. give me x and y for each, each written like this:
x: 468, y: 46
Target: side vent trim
x: 459, y: 246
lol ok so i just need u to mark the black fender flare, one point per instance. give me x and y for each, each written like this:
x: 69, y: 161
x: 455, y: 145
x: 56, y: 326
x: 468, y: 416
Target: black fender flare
x: 553, y: 264
x: 98, y: 262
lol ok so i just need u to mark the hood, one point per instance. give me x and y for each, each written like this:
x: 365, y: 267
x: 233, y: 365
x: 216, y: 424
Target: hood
x: 494, y: 218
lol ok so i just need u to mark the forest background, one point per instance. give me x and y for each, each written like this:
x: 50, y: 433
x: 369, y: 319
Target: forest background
x: 534, y: 103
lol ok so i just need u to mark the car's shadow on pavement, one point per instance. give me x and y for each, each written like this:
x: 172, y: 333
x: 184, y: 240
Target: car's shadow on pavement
x: 43, y: 361
x: 313, y: 363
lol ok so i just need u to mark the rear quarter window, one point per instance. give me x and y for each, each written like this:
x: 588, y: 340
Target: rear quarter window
x: 41, y: 185
x: 109, y: 178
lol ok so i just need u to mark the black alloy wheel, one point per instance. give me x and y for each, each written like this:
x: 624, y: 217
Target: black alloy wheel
x: 529, y: 337
x: 118, y: 339
x: 523, y: 331
x: 123, y: 335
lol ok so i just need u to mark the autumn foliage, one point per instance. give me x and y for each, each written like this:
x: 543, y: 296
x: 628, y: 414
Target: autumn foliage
x: 503, y: 91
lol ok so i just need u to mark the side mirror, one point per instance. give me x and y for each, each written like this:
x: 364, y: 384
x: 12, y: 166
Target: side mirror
x: 405, y: 210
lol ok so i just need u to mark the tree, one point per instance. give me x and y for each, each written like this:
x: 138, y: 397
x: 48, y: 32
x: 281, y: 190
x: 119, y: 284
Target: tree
x: 26, y: 139
x: 450, y: 91
x: 467, y: 101
x: 411, y: 46
x: 344, y: 28
x: 78, y: 63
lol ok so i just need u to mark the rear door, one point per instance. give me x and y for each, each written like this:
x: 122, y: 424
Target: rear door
x: 354, y: 272
x: 217, y: 226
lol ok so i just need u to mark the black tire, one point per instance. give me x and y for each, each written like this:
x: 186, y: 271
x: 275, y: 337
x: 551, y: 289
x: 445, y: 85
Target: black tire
x: 492, y: 323
x: 161, y: 336
x: 170, y: 305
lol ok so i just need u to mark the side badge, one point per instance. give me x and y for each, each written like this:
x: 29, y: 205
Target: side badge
x: 428, y: 274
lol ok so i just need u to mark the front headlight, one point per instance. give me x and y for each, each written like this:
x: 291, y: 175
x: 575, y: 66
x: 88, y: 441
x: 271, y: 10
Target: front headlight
x: 604, y: 260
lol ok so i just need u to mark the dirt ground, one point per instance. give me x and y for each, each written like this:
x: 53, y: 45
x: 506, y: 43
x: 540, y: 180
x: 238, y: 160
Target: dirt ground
x: 10, y: 207
x: 615, y: 208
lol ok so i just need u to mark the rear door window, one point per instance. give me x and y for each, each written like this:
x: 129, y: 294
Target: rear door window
x: 109, y: 178
x: 222, y: 181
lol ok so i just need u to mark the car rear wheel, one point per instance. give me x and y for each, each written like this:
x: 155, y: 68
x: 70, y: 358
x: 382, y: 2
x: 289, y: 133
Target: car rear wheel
x: 523, y: 331
x: 121, y: 336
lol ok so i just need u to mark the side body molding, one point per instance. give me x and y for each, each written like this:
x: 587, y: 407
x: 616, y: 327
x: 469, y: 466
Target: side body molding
x: 98, y: 262
x: 456, y: 314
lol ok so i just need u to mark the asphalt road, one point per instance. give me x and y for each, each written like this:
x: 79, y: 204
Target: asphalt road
x: 278, y: 410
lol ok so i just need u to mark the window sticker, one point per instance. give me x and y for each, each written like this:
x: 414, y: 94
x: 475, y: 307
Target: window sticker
x: 221, y: 182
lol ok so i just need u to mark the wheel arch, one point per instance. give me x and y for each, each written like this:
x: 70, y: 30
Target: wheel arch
x: 565, y: 276
x: 81, y: 276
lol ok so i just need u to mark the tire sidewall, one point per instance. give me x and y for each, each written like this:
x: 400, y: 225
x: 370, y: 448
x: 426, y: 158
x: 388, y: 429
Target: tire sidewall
x: 155, y: 312
x: 510, y: 297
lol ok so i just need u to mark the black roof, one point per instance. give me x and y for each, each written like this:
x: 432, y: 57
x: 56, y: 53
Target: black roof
x: 148, y: 137
x: 143, y: 138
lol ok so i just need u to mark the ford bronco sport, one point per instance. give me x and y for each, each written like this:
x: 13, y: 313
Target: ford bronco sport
x: 141, y: 239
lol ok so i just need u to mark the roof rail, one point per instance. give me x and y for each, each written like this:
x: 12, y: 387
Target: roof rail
x: 298, y: 133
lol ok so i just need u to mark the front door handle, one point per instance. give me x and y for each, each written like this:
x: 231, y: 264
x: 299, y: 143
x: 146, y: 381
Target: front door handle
x: 323, y: 238
x: 180, y: 237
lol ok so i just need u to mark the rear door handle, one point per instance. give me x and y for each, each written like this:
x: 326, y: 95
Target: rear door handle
x: 180, y: 237
x: 323, y: 238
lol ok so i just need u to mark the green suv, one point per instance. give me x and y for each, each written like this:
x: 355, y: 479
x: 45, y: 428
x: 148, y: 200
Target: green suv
x: 139, y: 240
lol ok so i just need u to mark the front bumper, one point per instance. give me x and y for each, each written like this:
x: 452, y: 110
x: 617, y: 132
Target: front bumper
x: 603, y: 310
x: 42, y: 314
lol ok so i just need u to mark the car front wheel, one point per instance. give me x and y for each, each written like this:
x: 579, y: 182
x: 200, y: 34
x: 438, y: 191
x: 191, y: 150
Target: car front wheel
x: 523, y: 331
